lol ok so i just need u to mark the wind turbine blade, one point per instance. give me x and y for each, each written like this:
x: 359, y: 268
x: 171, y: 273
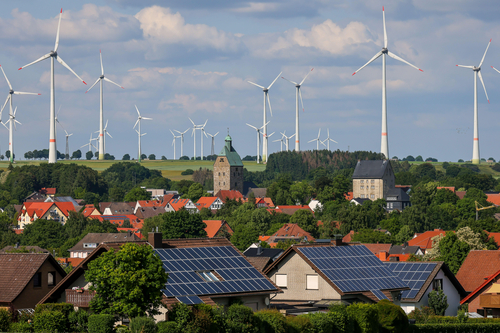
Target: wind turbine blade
x: 292, y: 136
x: 312, y: 140
x: 470, y: 67
x: 70, y: 135
x: 264, y: 125
x: 269, y: 135
x: 305, y: 77
x: 274, y: 81
x: 289, y: 80
x: 106, y: 126
x: 37, y: 60
x: 57, y: 35
x: 191, y: 121
x: 172, y: 132
x: 144, y: 134
x: 302, y: 103
x: 385, y: 31
x: 206, y: 134
x: 255, y: 84
x: 6, y: 101
x: 10, y: 86
x: 269, y: 103
x: 322, y: 143
x: 59, y: 60
x: 137, y: 110
x: 15, y: 111
x: 379, y: 53
x: 25, y: 93
x: 484, y: 55
x: 184, y: 131
x: 392, y: 55
x: 484, y: 87
x: 495, y: 69
x: 66, y: 132
x: 283, y: 134
x: 253, y: 127
x: 333, y: 140
x: 109, y: 134
x: 177, y: 132
x: 147, y: 118
x: 136, y: 123
x: 16, y: 121
x: 319, y: 132
x: 116, y: 84
x: 57, y: 114
x: 85, y: 145
x: 216, y: 134
x: 92, y: 86
x: 205, y: 124
x: 102, y: 68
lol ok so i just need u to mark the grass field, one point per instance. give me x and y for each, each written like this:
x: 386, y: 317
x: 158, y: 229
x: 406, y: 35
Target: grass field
x: 170, y: 169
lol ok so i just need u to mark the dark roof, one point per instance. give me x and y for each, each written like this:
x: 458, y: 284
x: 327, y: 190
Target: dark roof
x: 99, y: 238
x: 260, y: 262
x: 360, y: 200
x: 271, y: 253
x: 146, y: 212
x: 230, y: 153
x: 17, y: 270
x: 120, y: 208
x: 370, y: 169
x: 258, y: 192
x: 402, y: 249
x: 398, y: 193
x: 30, y: 249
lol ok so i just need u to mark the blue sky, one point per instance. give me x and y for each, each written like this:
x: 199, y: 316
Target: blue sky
x: 179, y: 59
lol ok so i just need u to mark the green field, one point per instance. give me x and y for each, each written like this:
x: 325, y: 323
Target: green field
x: 170, y: 168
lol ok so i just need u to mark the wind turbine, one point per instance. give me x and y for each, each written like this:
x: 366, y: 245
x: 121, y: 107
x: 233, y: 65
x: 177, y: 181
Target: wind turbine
x: 265, y: 122
x: 89, y: 144
x: 9, y: 99
x: 173, y: 142
x: 280, y: 140
x: 105, y: 131
x: 317, y: 140
x: 67, y: 144
x: 12, y: 120
x: 384, y: 145
x: 139, y: 118
x: 287, y: 140
x: 258, y: 138
x: 477, y: 72
x: 212, y: 151
x: 101, y: 117
x: 193, y: 134
x: 53, y: 55
x: 328, y: 140
x: 298, y: 94
x: 202, y: 130
x: 182, y: 140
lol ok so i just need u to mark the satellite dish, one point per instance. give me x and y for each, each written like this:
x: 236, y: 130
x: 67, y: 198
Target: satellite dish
x: 266, y: 301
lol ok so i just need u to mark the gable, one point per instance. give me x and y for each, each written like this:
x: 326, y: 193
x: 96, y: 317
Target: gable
x: 370, y: 169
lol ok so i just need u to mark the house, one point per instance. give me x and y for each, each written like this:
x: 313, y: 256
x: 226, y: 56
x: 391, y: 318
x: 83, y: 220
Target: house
x: 228, y: 169
x: 372, y: 179
x: 406, y: 249
x: 289, y: 210
x: 25, y: 278
x: 261, y: 202
x: 147, y: 203
x: 23, y: 249
x: 119, y: 220
x: 217, y: 228
x: 315, y: 205
x: 290, y: 231
x: 379, y: 250
x: 422, y: 278
x: 477, y: 267
x: 92, y: 240
x: 34, y: 210
x: 211, y: 203
x: 119, y: 208
x: 90, y: 211
x: 493, y: 198
x: 261, y: 257
x: 258, y: 192
x: 41, y: 195
x: 229, y: 194
x: 397, y: 199
x: 322, y: 274
x: 359, y: 201
x: 424, y: 240
x: 485, y: 299
x: 160, y: 193
x: 175, y: 204
x: 64, y: 199
x: 147, y: 212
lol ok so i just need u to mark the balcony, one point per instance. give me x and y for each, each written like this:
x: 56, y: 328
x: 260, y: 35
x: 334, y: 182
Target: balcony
x: 79, y: 299
x: 489, y: 301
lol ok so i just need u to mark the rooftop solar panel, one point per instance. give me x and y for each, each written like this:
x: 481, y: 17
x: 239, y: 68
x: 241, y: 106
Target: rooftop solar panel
x: 414, y: 274
x: 189, y: 300
x: 353, y: 268
x: 192, y: 271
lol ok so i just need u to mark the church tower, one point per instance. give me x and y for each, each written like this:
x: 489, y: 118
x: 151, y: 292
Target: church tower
x: 228, y: 169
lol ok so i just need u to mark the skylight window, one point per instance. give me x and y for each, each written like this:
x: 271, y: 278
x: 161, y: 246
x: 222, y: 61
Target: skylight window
x: 208, y: 276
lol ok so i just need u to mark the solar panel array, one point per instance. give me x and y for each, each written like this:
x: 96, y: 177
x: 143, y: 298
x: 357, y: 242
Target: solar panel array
x: 413, y: 274
x: 183, y: 264
x: 189, y: 300
x: 353, y: 268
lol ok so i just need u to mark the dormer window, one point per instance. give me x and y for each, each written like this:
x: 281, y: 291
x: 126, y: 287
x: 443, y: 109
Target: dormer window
x: 209, y: 276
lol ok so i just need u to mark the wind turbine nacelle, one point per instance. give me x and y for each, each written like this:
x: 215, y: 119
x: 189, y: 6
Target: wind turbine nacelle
x: 385, y: 50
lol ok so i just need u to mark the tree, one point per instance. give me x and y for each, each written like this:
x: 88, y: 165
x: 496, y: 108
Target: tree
x: 43, y: 233
x: 305, y: 219
x: 96, y: 154
x: 419, y: 158
x: 126, y: 157
x: 127, y: 282
x: 163, y: 158
x: 195, y: 192
x: 137, y: 193
x: 371, y: 237
x: 438, y: 302
x: 77, y: 154
x: 410, y: 158
x: 181, y: 224
x: 143, y: 156
x: 152, y: 157
x: 89, y: 155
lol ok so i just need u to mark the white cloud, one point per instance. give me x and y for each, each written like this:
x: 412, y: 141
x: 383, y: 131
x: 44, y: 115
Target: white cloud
x: 189, y: 103
x: 257, y: 7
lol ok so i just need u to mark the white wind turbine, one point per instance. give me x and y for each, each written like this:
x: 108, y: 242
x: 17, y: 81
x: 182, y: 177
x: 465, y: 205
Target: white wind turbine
x: 287, y: 138
x: 280, y: 140
x: 298, y: 94
x: 11, y: 114
x: 104, y: 131
x: 477, y: 72
x: 318, y: 141
x: 328, y: 139
x: 90, y: 145
x: 193, y: 134
x: 258, y: 138
x: 101, y: 114
x: 12, y: 120
x: 384, y: 146
x: 53, y: 55
x: 139, y: 118
x: 173, y: 142
x: 212, y: 150
x: 265, y: 122
x: 182, y: 140
x: 66, y: 155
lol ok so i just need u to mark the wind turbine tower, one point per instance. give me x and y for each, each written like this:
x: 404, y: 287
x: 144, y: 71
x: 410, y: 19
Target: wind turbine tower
x: 384, y: 145
x: 182, y: 140
x: 139, y: 119
x: 212, y: 150
x: 193, y: 134
x: 173, y: 142
x: 477, y: 72
x: 328, y: 140
x: 53, y: 55
x: 67, y: 144
x: 258, y: 130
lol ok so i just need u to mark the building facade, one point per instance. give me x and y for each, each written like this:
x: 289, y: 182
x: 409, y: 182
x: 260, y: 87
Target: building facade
x: 228, y: 169
x: 372, y: 179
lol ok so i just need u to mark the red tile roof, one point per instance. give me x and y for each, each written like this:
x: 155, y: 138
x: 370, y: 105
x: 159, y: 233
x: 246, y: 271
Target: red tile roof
x: 213, y: 227
x: 291, y: 230
x: 205, y: 202
x: 179, y: 203
x: 376, y: 248
x: 493, y: 198
x: 289, y: 210
x: 495, y: 236
x: 48, y: 190
x: 424, y: 240
x: 149, y: 203
x: 229, y: 194
x: 477, y: 267
x: 461, y: 194
x: 478, y: 290
x: 349, y: 196
x: 348, y: 238
x: 89, y: 209
x: 450, y: 188
x: 136, y: 231
x: 65, y: 207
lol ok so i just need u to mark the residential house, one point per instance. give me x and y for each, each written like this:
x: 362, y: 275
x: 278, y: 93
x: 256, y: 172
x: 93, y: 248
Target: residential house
x: 160, y: 193
x: 217, y: 228
x: 228, y: 169
x: 359, y: 201
x: 372, y: 179
x: 34, y: 210
x: 41, y: 195
x: 258, y: 192
x: 485, y: 299
x: 289, y: 210
x: 147, y: 203
x: 406, y: 249
x: 397, y: 199
x: 143, y: 213
x: 477, y: 267
x: 290, y: 232
x: 25, y: 278
x: 229, y: 194
x: 211, y: 203
x: 119, y: 208
x: 422, y: 278
x: 262, y: 257
x: 92, y: 240
x: 322, y: 274
x: 90, y: 211
x: 381, y: 251
x: 175, y: 204
x: 119, y: 220
x: 424, y: 240
x: 315, y: 205
x: 261, y: 202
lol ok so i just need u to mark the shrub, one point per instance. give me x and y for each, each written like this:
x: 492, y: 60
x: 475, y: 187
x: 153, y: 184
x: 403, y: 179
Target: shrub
x: 187, y: 172
x: 300, y: 324
x: 5, y: 320
x: 365, y: 317
x: 455, y: 328
x: 143, y: 325
x: 240, y: 319
x: 421, y: 315
x: 65, y: 308
x: 201, y: 322
x: 50, y: 321
x: 101, y: 323
x: 168, y: 327
x: 213, y: 313
x: 121, y: 329
x: 341, y: 322
x: 321, y: 322
x: 181, y: 314
x: 22, y: 327
x: 271, y: 321
x: 391, y: 317
x: 78, y: 321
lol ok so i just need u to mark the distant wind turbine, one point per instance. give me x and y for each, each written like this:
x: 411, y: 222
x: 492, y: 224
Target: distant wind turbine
x: 287, y: 138
x: 258, y: 138
x: 67, y: 144
x: 212, y: 150
x: 139, y: 119
x: 318, y: 141
x: 193, y: 134
x: 327, y: 140
x: 182, y: 140
x: 173, y: 142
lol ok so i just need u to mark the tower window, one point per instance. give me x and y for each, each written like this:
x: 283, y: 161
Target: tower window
x: 223, y: 173
x: 222, y: 160
x: 235, y: 184
x: 219, y: 173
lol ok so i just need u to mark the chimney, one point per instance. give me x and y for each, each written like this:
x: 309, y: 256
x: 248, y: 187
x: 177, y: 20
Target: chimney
x: 154, y: 238
x: 382, y: 256
x: 259, y: 250
x: 337, y: 240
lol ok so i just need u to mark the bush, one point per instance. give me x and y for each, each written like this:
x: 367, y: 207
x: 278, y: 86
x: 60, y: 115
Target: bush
x: 391, y: 317
x: 50, y: 321
x: 422, y: 315
x: 181, y: 314
x: 271, y: 321
x: 321, y: 322
x: 22, y: 327
x: 78, y: 321
x: 168, y: 327
x: 121, y: 329
x: 341, y: 321
x: 5, y: 320
x: 240, y: 319
x: 101, y: 323
x: 143, y: 325
x: 187, y: 172
x: 65, y: 308
x: 455, y: 328
x: 365, y: 317
x: 299, y: 324
x: 201, y: 322
x: 214, y: 315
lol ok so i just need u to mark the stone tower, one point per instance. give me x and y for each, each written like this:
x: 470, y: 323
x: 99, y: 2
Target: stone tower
x: 228, y: 169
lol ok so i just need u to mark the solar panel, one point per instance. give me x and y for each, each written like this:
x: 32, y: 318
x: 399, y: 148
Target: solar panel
x: 189, y: 300
x: 192, y: 271
x: 414, y: 274
x: 353, y: 268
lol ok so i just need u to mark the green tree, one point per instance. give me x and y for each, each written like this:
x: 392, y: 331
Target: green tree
x: 137, y: 193
x: 245, y: 235
x: 89, y: 155
x: 195, y: 192
x: 301, y: 193
x: 126, y: 157
x: 403, y: 235
x: 371, y: 236
x: 44, y: 233
x: 182, y: 224
x: 127, y: 282
x: 419, y: 158
x: 453, y: 251
x: 438, y: 302
x: 152, y: 157
x: 305, y: 219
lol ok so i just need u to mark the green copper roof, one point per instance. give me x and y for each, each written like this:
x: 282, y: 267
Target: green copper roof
x: 232, y: 156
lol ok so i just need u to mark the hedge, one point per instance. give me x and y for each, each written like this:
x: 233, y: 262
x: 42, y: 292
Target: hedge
x: 455, y: 328
x: 240, y: 319
x: 365, y: 317
x: 143, y: 325
x: 65, y: 308
x: 78, y: 321
x: 5, y: 320
x: 21, y: 327
x: 300, y: 324
x: 168, y: 327
x: 101, y: 323
x: 50, y: 321
x: 391, y: 318
x: 271, y: 321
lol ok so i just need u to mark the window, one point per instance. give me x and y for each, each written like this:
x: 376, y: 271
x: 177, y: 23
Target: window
x: 224, y: 183
x: 219, y: 183
x: 235, y: 184
x: 373, y: 181
x: 372, y: 196
x: 223, y: 173
x: 37, y: 279
x: 208, y: 276
x: 312, y: 282
x: 51, y: 278
x: 281, y: 280
x: 222, y: 160
x: 362, y: 181
x: 219, y: 173
x: 362, y: 187
x: 373, y: 187
x: 437, y: 284
x: 362, y: 196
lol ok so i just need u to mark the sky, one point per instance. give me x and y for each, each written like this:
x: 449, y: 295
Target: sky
x: 182, y: 59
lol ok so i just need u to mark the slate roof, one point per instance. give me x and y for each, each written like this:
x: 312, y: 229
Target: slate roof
x: 398, y: 193
x: 230, y: 153
x: 477, y: 268
x: 146, y: 212
x: 17, y: 270
x: 402, y: 249
x: 370, y: 169
x: 259, y: 192
x: 100, y: 238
